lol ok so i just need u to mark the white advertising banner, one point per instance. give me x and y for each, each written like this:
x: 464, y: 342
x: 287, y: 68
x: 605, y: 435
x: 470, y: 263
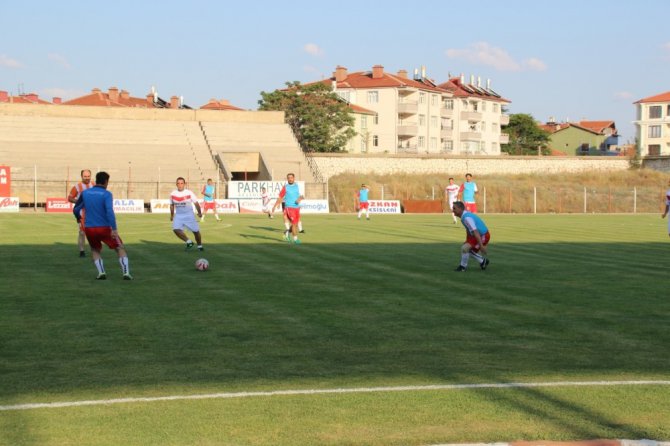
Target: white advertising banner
x: 128, y: 206
x: 162, y: 206
x: 252, y: 189
x: 384, y: 206
x: 9, y: 204
x: 314, y: 207
x: 255, y: 206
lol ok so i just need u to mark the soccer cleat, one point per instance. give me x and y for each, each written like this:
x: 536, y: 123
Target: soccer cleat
x: 484, y: 264
x: 82, y: 253
x: 101, y: 276
x: 461, y: 269
x: 189, y: 245
x: 297, y: 241
x: 302, y: 231
x: 200, y: 248
x: 127, y: 276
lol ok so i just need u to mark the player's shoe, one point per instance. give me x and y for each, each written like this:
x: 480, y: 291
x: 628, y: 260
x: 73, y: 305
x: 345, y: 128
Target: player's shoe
x: 127, y: 276
x: 82, y: 253
x: 297, y: 241
x: 484, y: 264
x: 200, y: 248
x: 189, y: 245
x: 101, y: 276
x: 302, y: 231
x: 461, y: 269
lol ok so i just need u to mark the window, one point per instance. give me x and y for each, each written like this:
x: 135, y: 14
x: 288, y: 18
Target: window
x: 475, y: 106
x: 495, y: 127
x: 346, y: 95
x: 375, y: 141
x: 449, y: 104
x: 654, y: 149
x: 433, y: 143
x: 494, y: 146
x: 655, y: 111
x: 422, y: 141
x: 422, y: 98
x: 448, y: 146
x: 364, y: 145
x: 654, y: 131
x: 667, y: 112
x: 433, y: 99
x: 495, y: 108
x: 433, y: 121
x: 375, y: 120
x: 364, y: 122
x: 483, y: 106
x: 483, y: 127
x: 422, y: 120
x: 373, y: 97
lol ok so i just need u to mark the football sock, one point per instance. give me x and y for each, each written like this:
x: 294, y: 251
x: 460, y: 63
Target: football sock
x: 464, y: 259
x: 125, y: 267
x: 101, y: 267
x: 287, y: 225
x: 479, y: 257
x: 299, y: 226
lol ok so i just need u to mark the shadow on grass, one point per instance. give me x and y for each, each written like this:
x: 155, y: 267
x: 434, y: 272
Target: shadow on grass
x: 275, y: 315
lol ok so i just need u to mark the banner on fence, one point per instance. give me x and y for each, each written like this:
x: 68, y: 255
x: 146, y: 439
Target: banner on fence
x: 128, y: 206
x: 252, y: 189
x: 58, y: 205
x: 255, y: 206
x: 314, y: 207
x: 9, y: 204
x: 224, y: 206
x: 5, y: 181
x: 384, y: 206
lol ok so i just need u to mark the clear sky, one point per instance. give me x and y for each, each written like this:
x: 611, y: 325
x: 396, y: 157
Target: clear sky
x: 587, y: 59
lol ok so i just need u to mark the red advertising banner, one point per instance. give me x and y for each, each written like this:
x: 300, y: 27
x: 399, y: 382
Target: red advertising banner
x: 5, y: 181
x: 58, y: 205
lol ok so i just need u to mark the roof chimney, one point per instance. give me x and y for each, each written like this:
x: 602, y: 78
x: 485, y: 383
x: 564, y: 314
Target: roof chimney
x: 224, y: 102
x: 150, y: 99
x: 174, y: 102
x: 402, y: 74
x: 32, y: 97
x: 423, y: 71
x: 4, y: 96
x: 56, y: 100
x: 113, y: 94
x: 377, y: 72
x: 125, y: 95
x: 95, y: 91
x: 340, y: 73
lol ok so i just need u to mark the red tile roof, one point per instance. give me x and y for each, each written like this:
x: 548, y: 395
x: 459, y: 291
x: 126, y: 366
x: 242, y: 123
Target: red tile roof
x: 461, y: 90
x: 30, y: 98
x: 663, y: 97
x: 557, y: 127
x: 358, y: 109
x: 598, y: 126
x: 99, y: 98
x: 222, y: 104
x: 364, y: 79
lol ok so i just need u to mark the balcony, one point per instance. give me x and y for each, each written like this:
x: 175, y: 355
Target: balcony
x: 471, y: 116
x: 471, y: 136
x: 446, y: 132
x: 408, y: 130
x: 504, y: 138
x: 446, y: 112
x: 408, y: 107
x: 409, y: 148
x: 504, y: 119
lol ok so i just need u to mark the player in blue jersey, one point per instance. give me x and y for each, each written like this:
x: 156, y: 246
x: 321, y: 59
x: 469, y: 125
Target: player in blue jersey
x: 209, y: 203
x: 362, y: 202
x: 477, y: 237
x: 467, y: 193
x: 291, y: 197
x: 100, y: 224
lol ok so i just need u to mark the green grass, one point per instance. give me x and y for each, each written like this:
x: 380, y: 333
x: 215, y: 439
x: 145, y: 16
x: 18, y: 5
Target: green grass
x: 359, y: 304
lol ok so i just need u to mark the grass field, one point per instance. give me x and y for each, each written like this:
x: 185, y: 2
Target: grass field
x: 358, y: 305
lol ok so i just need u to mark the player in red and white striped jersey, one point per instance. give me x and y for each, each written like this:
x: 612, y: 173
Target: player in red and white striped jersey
x: 75, y: 192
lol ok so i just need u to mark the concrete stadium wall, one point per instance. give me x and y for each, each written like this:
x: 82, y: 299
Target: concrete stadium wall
x: 335, y: 164
x: 141, y: 114
x: 660, y: 163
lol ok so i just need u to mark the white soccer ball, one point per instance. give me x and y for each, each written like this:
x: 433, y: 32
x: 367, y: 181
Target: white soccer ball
x: 202, y: 265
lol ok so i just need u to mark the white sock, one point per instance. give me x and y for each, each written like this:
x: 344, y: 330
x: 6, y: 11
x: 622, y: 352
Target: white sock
x: 125, y: 267
x: 287, y: 225
x: 188, y: 241
x: 299, y: 226
x: 99, y: 264
x: 464, y: 259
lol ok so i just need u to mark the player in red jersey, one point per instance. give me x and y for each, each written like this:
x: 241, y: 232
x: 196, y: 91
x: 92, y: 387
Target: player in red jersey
x: 75, y: 192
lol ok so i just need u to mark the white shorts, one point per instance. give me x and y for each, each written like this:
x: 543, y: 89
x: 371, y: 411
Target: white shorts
x: 185, y: 221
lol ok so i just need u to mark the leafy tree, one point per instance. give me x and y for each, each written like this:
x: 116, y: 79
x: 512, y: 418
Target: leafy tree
x: 320, y: 120
x: 525, y: 136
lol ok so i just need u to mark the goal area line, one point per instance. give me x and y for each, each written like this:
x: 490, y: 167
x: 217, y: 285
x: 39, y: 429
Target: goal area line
x: 54, y: 405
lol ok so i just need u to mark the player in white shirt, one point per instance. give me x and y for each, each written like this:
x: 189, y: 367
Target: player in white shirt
x: 451, y: 195
x: 667, y: 206
x: 181, y: 214
x: 266, y: 202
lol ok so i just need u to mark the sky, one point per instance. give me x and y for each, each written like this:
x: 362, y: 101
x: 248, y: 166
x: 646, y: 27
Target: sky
x: 570, y: 60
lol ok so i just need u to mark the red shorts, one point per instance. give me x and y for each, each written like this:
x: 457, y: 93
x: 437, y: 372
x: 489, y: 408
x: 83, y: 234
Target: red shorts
x: 293, y: 215
x: 472, y: 241
x: 363, y: 205
x: 97, y: 236
x: 209, y: 205
x: 471, y: 207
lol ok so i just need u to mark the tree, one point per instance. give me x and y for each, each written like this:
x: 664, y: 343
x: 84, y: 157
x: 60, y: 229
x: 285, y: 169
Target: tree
x: 525, y: 136
x: 320, y: 120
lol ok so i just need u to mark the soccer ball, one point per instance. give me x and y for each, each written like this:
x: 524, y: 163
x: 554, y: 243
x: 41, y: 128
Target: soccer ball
x: 202, y: 265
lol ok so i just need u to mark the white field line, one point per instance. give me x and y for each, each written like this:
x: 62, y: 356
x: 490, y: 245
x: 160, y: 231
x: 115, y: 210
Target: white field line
x: 27, y: 406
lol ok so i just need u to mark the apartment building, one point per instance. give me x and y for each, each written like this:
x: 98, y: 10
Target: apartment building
x: 418, y: 116
x: 653, y: 125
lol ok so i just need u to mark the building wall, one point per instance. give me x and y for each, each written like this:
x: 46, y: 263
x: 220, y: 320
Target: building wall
x: 643, y: 124
x: 334, y: 164
x: 571, y: 139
